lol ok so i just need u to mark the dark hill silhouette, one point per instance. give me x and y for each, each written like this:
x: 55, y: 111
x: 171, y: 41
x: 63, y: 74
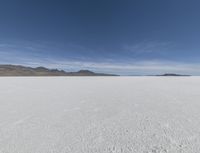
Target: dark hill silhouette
x: 172, y: 74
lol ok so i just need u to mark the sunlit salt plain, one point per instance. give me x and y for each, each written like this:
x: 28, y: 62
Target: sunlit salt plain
x: 100, y: 115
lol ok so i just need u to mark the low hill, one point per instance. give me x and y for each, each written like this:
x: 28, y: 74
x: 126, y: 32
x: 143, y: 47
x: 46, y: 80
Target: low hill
x: 18, y: 70
x: 172, y: 74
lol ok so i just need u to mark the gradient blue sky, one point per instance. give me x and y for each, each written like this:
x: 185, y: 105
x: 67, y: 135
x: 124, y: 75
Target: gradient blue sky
x: 112, y: 36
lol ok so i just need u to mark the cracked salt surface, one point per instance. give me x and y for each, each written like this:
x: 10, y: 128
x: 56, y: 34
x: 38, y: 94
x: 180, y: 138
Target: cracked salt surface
x: 100, y: 115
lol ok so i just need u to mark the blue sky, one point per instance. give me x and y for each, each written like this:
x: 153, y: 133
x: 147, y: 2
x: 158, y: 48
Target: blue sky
x: 128, y: 37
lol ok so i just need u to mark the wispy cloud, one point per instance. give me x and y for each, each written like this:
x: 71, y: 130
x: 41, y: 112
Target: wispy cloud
x: 134, y: 68
x: 148, y: 47
x: 11, y: 54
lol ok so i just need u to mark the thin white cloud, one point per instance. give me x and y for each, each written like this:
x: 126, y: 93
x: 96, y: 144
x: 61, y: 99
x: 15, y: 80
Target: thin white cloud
x: 144, y: 67
x: 148, y: 47
x: 135, y: 68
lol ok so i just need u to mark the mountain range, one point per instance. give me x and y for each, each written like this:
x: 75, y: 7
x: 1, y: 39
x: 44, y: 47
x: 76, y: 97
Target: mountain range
x: 18, y: 70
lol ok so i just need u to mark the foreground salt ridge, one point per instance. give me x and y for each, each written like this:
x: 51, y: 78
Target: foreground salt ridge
x: 100, y: 115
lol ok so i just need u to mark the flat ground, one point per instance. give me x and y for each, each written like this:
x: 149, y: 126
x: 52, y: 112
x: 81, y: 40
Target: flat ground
x: 100, y: 115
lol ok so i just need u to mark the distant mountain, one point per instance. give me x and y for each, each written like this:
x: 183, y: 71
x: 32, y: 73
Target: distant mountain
x: 172, y: 74
x: 18, y: 70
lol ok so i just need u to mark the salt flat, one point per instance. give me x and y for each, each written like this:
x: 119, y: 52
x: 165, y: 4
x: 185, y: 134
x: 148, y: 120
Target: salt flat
x: 100, y: 115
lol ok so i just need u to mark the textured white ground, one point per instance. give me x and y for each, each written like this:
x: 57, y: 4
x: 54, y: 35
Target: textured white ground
x: 100, y: 115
